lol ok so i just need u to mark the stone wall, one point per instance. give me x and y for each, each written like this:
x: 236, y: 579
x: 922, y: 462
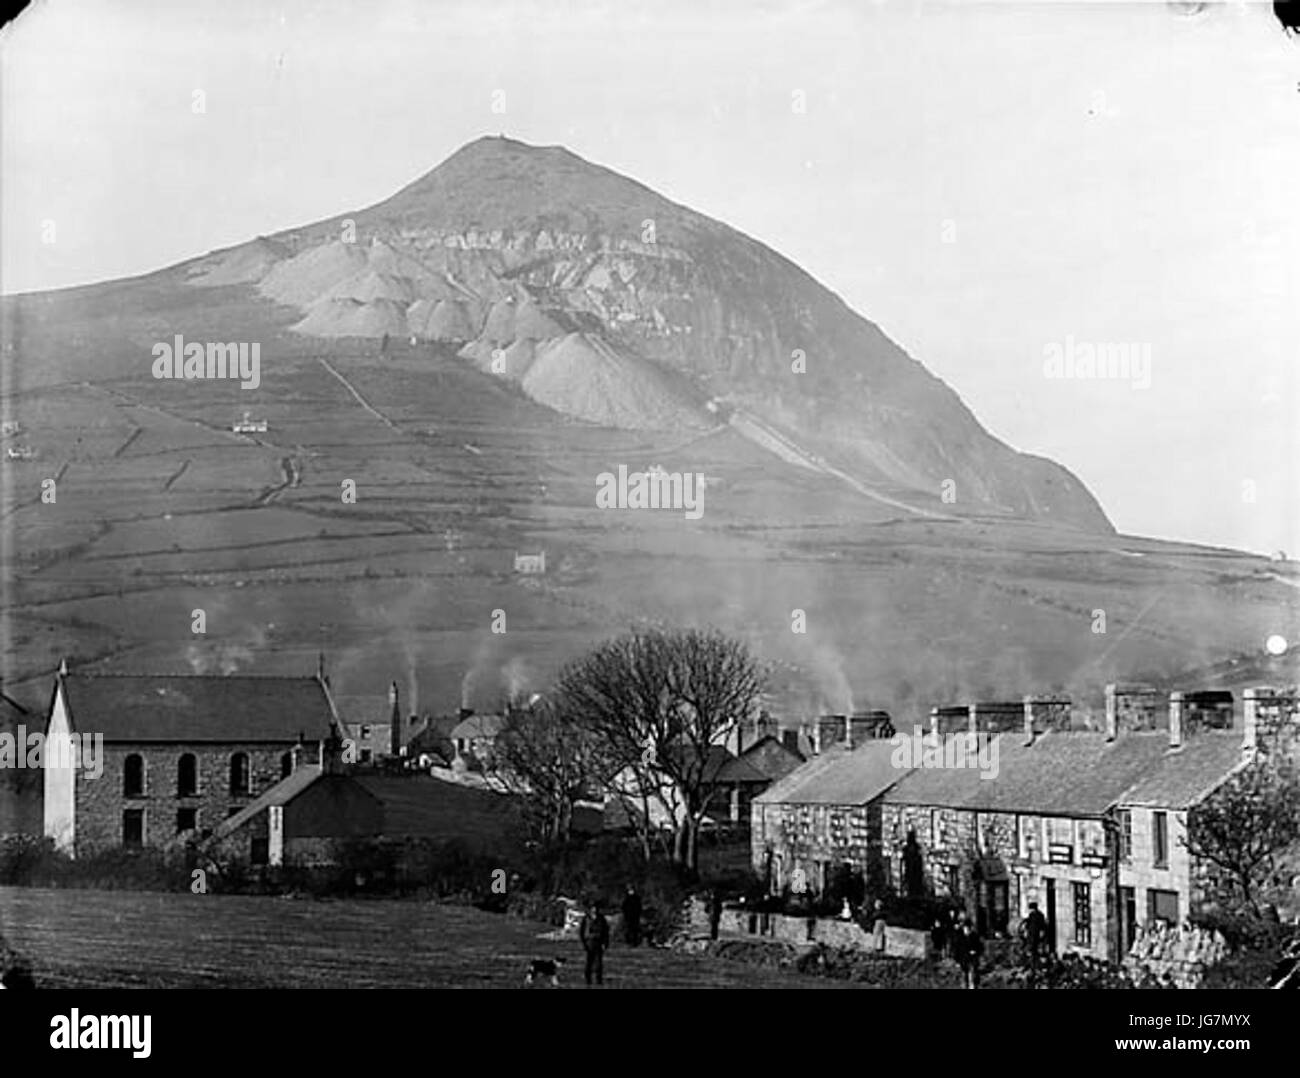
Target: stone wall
x: 1134, y: 707
x: 833, y: 932
x: 814, y: 838
x: 1272, y: 720
x: 1048, y: 713
x: 1185, y: 953
x: 100, y: 802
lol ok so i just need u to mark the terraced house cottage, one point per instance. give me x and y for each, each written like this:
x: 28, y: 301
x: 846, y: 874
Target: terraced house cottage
x: 180, y: 753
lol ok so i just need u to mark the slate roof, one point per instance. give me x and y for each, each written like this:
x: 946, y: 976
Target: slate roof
x: 734, y: 769
x: 839, y: 777
x: 1184, y: 776
x: 190, y: 708
x: 421, y: 806
x: 281, y: 793
x: 478, y: 726
x: 1073, y: 773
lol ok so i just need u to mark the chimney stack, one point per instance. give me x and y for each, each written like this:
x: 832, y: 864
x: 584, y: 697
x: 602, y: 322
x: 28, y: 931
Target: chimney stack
x: 1112, y: 711
x: 1175, y: 720
x: 394, y: 722
x: 1249, y: 724
x: 331, y: 753
x: 848, y: 732
x: 1030, y: 732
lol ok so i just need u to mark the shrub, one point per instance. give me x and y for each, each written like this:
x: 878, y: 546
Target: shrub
x: 29, y: 861
x: 15, y: 972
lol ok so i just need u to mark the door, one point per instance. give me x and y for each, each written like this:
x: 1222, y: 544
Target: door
x: 1128, y: 907
x: 998, y: 918
x: 1050, y: 884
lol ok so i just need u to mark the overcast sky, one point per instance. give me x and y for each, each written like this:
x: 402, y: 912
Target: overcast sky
x: 984, y: 181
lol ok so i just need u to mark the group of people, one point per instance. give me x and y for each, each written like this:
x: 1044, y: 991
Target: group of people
x: 959, y: 939
x: 594, y: 933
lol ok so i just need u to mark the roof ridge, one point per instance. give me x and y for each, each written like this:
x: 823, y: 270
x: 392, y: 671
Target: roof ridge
x: 196, y: 677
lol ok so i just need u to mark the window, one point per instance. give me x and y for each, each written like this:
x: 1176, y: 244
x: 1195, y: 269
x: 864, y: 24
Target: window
x: 239, y: 779
x: 1027, y: 828
x: 133, y: 776
x: 954, y: 881
x: 1162, y: 906
x: 1125, y: 835
x: 259, y: 852
x: 133, y: 828
x: 187, y: 776
x: 187, y: 820
x: 1083, y: 914
x: 365, y: 756
x: 365, y: 732
x: 1160, y: 839
x: 286, y: 765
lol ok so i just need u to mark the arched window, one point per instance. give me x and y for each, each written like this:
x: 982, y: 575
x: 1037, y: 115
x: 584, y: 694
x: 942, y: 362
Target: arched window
x: 239, y: 778
x: 286, y: 765
x: 133, y: 776
x: 187, y: 776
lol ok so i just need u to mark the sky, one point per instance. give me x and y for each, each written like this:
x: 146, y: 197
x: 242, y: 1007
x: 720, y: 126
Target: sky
x: 993, y: 184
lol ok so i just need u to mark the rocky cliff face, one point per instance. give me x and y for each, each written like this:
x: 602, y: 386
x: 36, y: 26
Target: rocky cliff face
x: 607, y: 302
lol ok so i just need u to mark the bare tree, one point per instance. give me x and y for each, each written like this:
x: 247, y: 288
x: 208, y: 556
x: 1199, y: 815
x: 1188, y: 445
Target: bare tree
x: 1245, y: 823
x: 543, y: 754
x: 663, y: 700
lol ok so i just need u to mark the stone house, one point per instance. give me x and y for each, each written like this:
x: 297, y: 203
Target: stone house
x: 1035, y: 831
x: 729, y: 782
x: 821, y: 816
x: 301, y: 817
x: 474, y: 740
x: 180, y: 753
x: 1158, y: 880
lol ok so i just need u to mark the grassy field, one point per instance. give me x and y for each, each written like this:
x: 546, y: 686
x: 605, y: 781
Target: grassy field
x: 101, y: 939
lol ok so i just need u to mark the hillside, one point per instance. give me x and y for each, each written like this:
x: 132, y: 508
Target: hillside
x: 532, y: 373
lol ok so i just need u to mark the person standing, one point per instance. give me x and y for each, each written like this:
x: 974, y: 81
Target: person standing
x: 1035, y: 931
x: 632, y: 917
x: 715, y: 912
x: 594, y: 933
x: 969, y: 948
x: 878, y: 927
x: 938, y: 939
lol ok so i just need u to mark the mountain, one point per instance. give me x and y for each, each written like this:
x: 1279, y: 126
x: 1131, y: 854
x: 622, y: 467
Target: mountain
x: 609, y: 303
x: 377, y: 517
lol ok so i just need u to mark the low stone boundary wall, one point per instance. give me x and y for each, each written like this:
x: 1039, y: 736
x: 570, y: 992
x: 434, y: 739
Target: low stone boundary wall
x: 1185, y: 953
x: 833, y: 932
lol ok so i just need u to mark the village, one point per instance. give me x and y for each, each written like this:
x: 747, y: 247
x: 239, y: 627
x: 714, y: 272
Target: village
x: 858, y: 831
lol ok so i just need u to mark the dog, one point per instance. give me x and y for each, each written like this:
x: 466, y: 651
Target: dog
x: 543, y: 967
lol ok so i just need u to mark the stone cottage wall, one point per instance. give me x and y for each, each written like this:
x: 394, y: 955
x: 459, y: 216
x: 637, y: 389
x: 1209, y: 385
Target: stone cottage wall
x: 100, y: 801
x: 1185, y: 953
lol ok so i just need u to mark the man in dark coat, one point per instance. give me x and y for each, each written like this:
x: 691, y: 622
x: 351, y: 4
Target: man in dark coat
x: 594, y: 933
x: 968, y: 949
x: 1035, y: 932
x: 632, y: 917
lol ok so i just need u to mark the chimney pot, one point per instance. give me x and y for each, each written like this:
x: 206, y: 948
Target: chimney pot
x: 1175, y: 720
